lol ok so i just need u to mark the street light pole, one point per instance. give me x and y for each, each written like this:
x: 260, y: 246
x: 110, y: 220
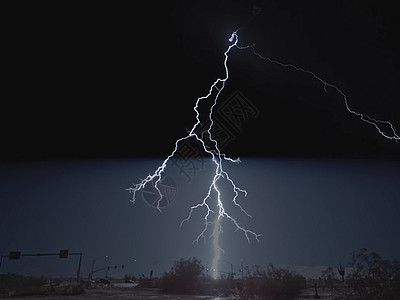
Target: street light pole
x: 141, y: 266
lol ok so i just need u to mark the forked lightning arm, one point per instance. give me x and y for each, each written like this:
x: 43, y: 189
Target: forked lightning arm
x: 218, y: 157
x: 392, y: 135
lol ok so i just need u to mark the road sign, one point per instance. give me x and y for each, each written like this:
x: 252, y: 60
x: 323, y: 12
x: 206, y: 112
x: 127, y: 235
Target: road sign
x: 63, y: 254
x: 14, y: 255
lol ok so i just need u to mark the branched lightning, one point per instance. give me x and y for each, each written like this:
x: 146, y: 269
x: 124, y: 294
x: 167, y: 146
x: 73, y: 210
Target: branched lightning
x: 210, y: 146
x: 217, y: 158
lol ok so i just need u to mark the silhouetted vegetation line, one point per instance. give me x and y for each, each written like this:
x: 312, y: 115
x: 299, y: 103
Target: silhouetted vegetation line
x: 187, y: 277
x: 13, y: 285
x: 273, y: 283
x: 18, y: 285
x: 369, y: 277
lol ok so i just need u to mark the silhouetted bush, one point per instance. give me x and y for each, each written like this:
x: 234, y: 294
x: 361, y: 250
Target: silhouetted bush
x: 149, y: 283
x: 13, y: 285
x: 19, y: 285
x: 185, y: 277
x: 273, y: 283
x: 223, y: 287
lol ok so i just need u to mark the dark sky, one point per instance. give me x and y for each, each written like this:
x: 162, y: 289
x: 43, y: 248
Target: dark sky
x: 110, y: 81
x: 96, y: 96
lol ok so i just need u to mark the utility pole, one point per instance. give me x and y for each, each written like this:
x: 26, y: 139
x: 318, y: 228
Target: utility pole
x: 228, y: 262
x: 241, y: 262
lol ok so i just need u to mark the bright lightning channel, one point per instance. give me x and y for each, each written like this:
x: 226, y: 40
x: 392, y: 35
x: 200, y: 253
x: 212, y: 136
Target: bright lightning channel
x: 218, y: 158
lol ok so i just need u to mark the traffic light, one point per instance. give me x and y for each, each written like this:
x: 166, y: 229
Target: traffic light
x: 14, y: 255
x: 63, y: 254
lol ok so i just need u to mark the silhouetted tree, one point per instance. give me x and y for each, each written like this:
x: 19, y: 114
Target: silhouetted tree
x: 336, y: 286
x: 341, y: 271
x: 329, y: 278
x: 372, y: 277
x: 185, y: 277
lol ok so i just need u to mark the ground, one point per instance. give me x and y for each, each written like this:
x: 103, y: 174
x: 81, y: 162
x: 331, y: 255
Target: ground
x: 125, y: 291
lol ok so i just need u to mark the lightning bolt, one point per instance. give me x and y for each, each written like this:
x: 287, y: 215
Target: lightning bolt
x: 217, y: 249
x: 210, y: 146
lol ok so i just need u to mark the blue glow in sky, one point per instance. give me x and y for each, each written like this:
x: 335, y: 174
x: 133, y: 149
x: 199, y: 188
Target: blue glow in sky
x: 310, y: 212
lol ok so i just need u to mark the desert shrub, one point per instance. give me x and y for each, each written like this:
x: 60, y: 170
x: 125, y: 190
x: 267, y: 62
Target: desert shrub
x: 149, y: 283
x: 273, y: 283
x: 224, y: 287
x: 185, y: 277
x: 19, y: 285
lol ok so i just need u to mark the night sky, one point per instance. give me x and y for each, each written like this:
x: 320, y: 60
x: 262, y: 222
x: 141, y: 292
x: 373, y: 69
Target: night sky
x: 95, y: 97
